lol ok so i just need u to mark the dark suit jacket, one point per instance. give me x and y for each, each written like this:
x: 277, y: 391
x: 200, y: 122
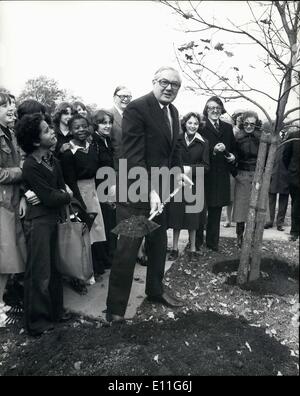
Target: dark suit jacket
x: 116, y: 136
x: 217, y: 179
x: 146, y: 139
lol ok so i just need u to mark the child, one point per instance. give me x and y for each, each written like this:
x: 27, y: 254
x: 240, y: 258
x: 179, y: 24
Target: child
x: 80, y: 164
x: 103, y: 122
x: 43, y: 298
x: 12, y: 258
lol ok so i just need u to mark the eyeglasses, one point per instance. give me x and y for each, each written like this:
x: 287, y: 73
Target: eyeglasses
x: 214, y: 108
x: 124, y: 97
x: 246, y: 124
x: 165, y: 83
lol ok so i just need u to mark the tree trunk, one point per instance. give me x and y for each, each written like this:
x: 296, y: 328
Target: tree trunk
x: 246, y: 252
x: 261, y: 212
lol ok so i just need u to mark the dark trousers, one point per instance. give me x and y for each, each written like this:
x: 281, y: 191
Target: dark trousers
x: 120, y: 280
x: 240, y: 228
x: 295, y: 209
x: 213, y: 226
x: 282, y: 207
x: 43, y: 290
x: 109, y: 218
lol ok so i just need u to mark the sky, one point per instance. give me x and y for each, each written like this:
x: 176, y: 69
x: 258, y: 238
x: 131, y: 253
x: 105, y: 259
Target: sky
x: 90, y: 47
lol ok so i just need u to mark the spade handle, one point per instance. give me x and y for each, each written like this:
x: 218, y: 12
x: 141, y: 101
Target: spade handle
x: 156, y: 212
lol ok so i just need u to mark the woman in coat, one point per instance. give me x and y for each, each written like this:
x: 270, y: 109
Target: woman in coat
x: 217, y: 180
x: 195, y: 153
x: 247, y: 141
x: 12, y: 241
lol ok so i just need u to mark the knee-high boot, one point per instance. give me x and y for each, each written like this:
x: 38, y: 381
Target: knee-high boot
x: 240, y: 227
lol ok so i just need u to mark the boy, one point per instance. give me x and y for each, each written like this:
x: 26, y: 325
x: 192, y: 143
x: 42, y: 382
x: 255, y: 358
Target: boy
x: 43, y: 298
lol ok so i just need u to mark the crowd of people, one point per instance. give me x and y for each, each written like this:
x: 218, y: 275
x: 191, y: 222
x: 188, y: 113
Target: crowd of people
x: 48, y: 161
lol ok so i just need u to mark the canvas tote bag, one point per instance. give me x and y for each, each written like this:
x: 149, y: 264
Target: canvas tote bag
x: 12, y: 243
x: 74, y: 247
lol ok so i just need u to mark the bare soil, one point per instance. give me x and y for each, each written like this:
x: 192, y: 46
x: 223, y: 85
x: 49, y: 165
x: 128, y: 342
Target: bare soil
x: 222, y: 329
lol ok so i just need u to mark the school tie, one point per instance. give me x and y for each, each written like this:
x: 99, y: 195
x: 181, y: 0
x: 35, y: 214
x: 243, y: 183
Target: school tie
x: 166, y: 116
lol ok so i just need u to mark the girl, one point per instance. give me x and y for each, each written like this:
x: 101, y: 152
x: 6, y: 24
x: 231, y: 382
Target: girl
x: 12, y: 254
x: 103, y: 122
x: 195, y: 153
x: 61, y: 118
x: 80, y: 164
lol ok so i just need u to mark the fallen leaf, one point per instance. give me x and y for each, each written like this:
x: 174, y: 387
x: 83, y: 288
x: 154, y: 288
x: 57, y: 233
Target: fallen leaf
x: 248, y: 346
x: 77, y: 365
x: 186, y: 343
x: 171, y: 315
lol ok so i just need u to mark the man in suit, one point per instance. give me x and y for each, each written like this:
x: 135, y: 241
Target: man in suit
x: 150, y: 130
x: 217, y: 180
x: 122, y: 96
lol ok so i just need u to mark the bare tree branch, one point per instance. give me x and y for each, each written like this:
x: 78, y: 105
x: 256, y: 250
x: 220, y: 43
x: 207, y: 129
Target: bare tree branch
x: 291, y: 111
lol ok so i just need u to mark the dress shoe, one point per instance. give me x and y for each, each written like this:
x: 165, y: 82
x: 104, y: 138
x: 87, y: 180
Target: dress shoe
x: 280, y: 228
x: 66, y: 316
x: 37, y: 333
x: 193, y: 255
x: 268, y: 225
x: 293, y: 237
x: 112, y: 318
x: 173, y: 255
x: 214, y: 248
x: 167, y: 300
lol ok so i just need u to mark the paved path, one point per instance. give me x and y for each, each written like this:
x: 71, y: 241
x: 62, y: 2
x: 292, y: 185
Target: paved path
x: 94, y: 303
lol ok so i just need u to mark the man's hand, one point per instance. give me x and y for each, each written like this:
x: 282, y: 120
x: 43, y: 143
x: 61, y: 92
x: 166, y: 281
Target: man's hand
x: 230, y: 158
x: 155, y: 202
x: 22, y: 207
x: 32, y: 198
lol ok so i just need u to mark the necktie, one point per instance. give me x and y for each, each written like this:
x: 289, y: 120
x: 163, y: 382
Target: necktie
x: 166, y: 116
x: 216, y: 125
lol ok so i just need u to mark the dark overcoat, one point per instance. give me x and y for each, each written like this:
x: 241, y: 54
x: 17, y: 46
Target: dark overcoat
x: 217, y: 179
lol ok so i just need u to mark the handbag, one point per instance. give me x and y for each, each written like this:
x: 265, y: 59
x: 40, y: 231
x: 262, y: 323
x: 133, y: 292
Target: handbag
x: 74, y: 247
x: 12, y: 243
